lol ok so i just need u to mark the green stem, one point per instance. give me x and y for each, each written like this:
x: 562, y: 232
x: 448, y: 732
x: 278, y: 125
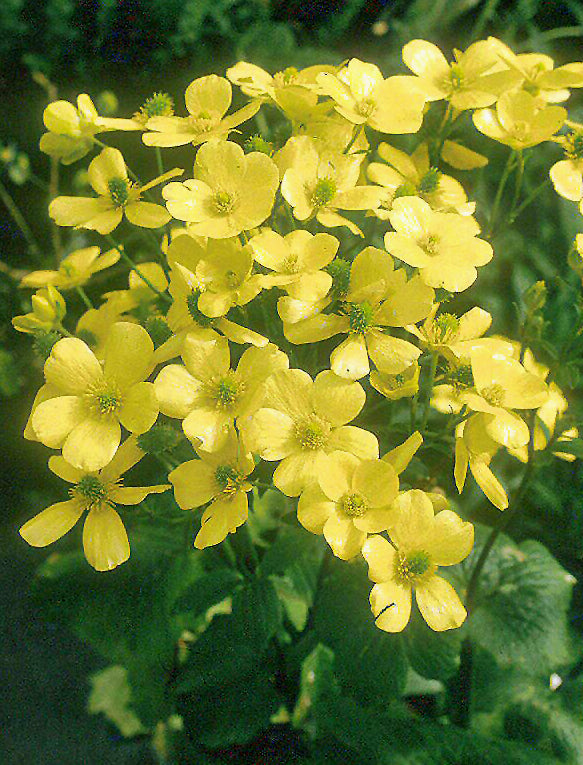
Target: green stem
x: 460, y: 714
x: 518, y: 182
x: 499, y: 193
x: 83, y: 295
x: 120, y: 248
x: 429, y: 390
x: 355, y: 133
x: 251, y: 557
x: 159, y: 161
x: 529, y: 199
x: 20, y: 221
x: 64, y: 331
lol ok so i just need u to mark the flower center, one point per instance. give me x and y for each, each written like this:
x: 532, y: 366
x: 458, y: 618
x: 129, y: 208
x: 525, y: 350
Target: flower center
x: 430, y: 181
x: 520, y: 130
x: 353, y: 505
x: 359, y: 317
x: 574, y: 146
x: 366, y: 107
x: 105, y: 399
x: 290, y: 264
x: 228, y: 478
x: 324, y: 192
x: 411, y: 568
x: 119, y: 191
x: 494, y: 394
x: 91, y: 490
x: 203, y: 122
x: 312, y: 433
x: 445, y: 327
x: 195, y: 313
x: 157, y: 105
x: 286, y: 77
x: 430, y: 244
x: 456, y: 77
x: 226, y: 390
x: 339, y: 270
x: 223, y: 202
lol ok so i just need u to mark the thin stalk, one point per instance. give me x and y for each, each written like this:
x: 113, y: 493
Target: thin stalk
x: 499, y: 193
x: 20, y: 221
x: 120, y: 248
x: 83, y: 295
x: 159, y: 161
x: 460, y: 713
x: 355, y: 133
x: 429, y: 390
x: 529, y: 199
x: 518, y: 181
x: 64, y: 331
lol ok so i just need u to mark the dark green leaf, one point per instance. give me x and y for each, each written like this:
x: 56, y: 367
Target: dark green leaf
x: 207, y: 590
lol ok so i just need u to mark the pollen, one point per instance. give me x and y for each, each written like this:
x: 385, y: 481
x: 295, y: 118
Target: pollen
x: 312, y: 433
x: 353, y: 505
x: 360, y: 317
x: 119, y: 191
x: 366, y: 107
x: 223, y: 202
x: 411, y: 568
x: 494, y: 394
x: 445, y: 327
x: 324, y: 192
x: 228, y: 478
x: 574, y: 146
x: 456, y: 77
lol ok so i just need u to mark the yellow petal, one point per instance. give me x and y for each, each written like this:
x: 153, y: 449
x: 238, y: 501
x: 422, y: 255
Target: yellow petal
x: 92, y: 443
x: 147, y: 214
x: 271, y: 434
x: 440, y: 605
x: 105, y: 540
x: 52, y: 523
x: 208, y: 429
x: 61, y: 467
x: 139, y: 409
x: 208, y: 94
x: 297, y: 471
x: 53, y: 420
x: 222, y: 517
x: 106, y: 166
x: 314, y: 509
x: 489, y: 484
x: 452, y: 539
x: 133, y: 495
x: 426, y: 60
x: 401, y: 455
x: 354, y: 440
x: 128, y: 455
x: 381, y: 557
x: 128, y: 354
x: 194, y: 483
x: 343, y: 537
x: 415, y: 521
x: 350, y: 359
x: 72, y: 366
x: 176, y: 391
x: 391, y: 605
x: 377, y: 482
x: 335, y: 399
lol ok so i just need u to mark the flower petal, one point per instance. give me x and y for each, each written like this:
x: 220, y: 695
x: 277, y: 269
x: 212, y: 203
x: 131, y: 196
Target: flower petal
x: 222, y: 517
x: 53, y: 523
x: 350, y: 359
x: 343, y: 537
x: 377, y: 482
x: 440, y: 605
x: 391, y: 605
x: 176, y: 390
x: 354, y: 440
x: 207, y: 429
x: 140, y: 408
x: 105, y: 540
x: 128, y: 354
x: 335, y: 399
x: 314, y: 509
x: 194, y: 483
x: 451, y: 540
x: 72, y: 366
x: 92, y: 443
x: 54, y: 419
x: 381, y: 557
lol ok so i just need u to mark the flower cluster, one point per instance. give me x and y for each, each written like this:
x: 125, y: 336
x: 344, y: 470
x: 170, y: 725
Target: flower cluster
x: 336, y: 220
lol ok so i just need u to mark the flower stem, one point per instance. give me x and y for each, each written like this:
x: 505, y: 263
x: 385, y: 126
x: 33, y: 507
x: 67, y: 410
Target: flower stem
x: 120, y: 248
x: 83, y: 295
x: 355, y: 134
x: 429, y: 390
x: 500, y: 192
x: 460, y: 711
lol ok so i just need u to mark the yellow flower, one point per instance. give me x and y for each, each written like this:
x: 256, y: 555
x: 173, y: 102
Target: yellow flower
x: 302, y: 421
x: 317, y: 186
x: 92, y: 399
x: 421, y: 541
x: 207, y: 101
x: 451, y: 337
x: 502, y: 384
x: 404, y: 384
x: 48, y: 311
x: 230, y: 191
x: 139, y: 295
x: 207, y: 394
x: 95, y: 325
x: 71, y: 129
x: 567, y: 174
x: 105, y: 540
x: 297, y: 260
x: 364, y: 97
x: 539, y: 77
x: 356, y: 502
x: 218, y: 478
x: 117, y: 195
x: 258, y: 83
x: 377, y: 297
x: 405, y: 175
x: 475, y: 79
x: 75, y: 269
x: 475, y: 447
x: 444, y: 246
x: 518, y: 121
x: 462, y: 158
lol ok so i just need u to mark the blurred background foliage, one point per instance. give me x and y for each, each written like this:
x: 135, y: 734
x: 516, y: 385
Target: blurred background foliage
x: 347, y: 678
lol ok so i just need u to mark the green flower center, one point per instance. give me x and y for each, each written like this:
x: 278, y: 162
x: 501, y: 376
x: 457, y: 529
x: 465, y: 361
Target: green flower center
x: 456, y: 77
x: 430, y: 181
x: 339, y: 270
x: 91, y: 490
x: 108, y: 402
x: 228, y: 478
x: 406, y: 189
x: 195, y: 313
x: 574, y: 146
x: 324, y: 192
x: 226, y: 390
x: 366, y: 107
x: 430, y: 244
x: 203, y: 122
x: 410, y: 568
x: 445, y: 327
x: 494, y: 394
x: 312, y: 433
x: 105, y: 399
x: 119, y: 191
x: 290, y: 264
x: 359, y: 317
x: 286, y: 77
x: 157, y: 105
x: 223, y: 202
x: 353, y: 505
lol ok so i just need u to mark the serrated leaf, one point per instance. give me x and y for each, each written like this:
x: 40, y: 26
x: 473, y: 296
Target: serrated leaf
x: 233, y: 645
x: 370, y: 664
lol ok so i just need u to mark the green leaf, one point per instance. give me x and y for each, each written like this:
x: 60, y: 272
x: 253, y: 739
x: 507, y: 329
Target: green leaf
x: 111, y: 695
x: 370, y: 663
x: 432, y: 654
x: 207, y: 590
x: 521, y: 606
x: 233, y: 645
x: 317, y: 681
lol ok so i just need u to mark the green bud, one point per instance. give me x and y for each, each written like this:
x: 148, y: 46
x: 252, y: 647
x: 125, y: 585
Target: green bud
x: 339, y: 270
x: 159, y: 439
x: 258, y: 143
x: 43, y: 342
x: 158, y: 329
x: 107, y: 103
x: 535, y: 296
